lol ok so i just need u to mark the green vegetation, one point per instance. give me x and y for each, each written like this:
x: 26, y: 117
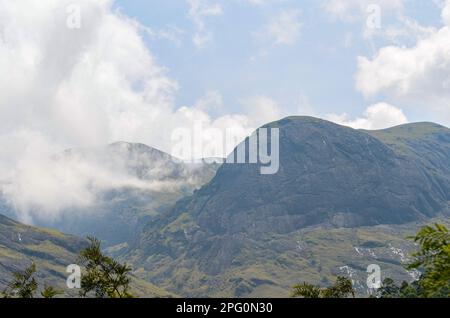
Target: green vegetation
x: 341, y: 200
x: 50, y: 292
x: 51, y: 252
x: 24, y: 285
x: 319, y: 254
x: 433, y: 259
x: 389, y: 289
x: 343, y: 288
x: 104, y: 277
x: 401, y: 138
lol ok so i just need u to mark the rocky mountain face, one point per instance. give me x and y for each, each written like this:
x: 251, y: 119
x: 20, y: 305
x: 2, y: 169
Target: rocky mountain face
x: 244, y: 232
x: 126, y: 184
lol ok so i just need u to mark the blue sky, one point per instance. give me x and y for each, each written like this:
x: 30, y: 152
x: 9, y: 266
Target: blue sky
x: 312, y: 74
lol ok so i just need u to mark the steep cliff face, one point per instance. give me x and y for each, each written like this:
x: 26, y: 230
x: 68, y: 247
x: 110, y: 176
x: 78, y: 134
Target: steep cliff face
x: 329, y: 176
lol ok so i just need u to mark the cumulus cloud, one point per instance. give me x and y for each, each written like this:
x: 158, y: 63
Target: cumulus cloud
x: 377, y: 116
x: 420, y: 73
x: 403, y: 70
x: 64, y: 86
x: 211, y: 103
x: 217, y: 137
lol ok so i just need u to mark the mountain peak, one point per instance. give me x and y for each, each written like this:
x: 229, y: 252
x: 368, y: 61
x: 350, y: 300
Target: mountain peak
x: 297, y: 120
x: 329, y: 175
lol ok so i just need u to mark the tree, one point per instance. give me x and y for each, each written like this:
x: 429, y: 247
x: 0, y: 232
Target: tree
x: 389, y: 289
x: 433, y: 259
x: 343, y: 288
x: 306, y: 290
x: 104, y: 277
x: 50, y: 292
x: 23, y: 285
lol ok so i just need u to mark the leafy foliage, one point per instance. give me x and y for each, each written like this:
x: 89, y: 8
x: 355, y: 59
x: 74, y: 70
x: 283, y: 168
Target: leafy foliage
x: 389, y: 289
x: 50, y: 292
x: 343, y: 288
x: 433, y: 259
x: 103, y: 276
x: 306, y: 290
x: 23, y: 285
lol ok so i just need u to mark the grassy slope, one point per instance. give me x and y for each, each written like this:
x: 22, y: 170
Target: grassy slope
x: 399, y: 137
x: 20, y: 245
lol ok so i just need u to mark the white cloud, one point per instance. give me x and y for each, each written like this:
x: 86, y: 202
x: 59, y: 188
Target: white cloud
x: 211, y: 103
x: 419, y: 74
x: 199, y: 10
x: 63, y: 88
x: 446, y: 12
x: 405, y: 70
x: 284, y: 29
x: 260, y: 110
x: 377, y: 116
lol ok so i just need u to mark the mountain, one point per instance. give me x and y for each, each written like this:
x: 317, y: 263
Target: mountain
x: 339, y: 194
x: 52, y: 252
x: 126, y: 184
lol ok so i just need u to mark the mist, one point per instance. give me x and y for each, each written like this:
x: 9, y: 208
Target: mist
x: 85, y: 85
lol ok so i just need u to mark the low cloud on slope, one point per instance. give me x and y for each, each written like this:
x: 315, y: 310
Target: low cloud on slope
x: 64, y: 86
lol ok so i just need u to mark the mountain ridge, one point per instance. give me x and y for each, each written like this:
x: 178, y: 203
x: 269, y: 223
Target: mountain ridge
x: 51, y: 251
x: 330, y: 175
x: 128, y: 183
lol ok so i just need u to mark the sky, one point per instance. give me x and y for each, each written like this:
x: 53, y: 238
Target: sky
x: 305, y: 56
x: 85, y: 73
